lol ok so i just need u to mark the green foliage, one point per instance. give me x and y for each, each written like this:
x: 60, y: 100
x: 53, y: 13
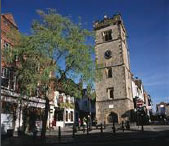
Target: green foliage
x: 67, y: 105
x: 56, y: 44
x: 91, y: 92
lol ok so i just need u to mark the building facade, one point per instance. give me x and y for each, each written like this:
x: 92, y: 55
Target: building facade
x: 18, y: 112
x: 148, y: 104
x: 162, y: 109
x: 138, y: 93
x: 142, y: 101
x: 85, y: 108
x: 8, y: 78
x: 63, y: 113
x: 114, y: 99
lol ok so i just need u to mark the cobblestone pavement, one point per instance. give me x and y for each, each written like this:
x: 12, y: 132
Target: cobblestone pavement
x: 152, y: 135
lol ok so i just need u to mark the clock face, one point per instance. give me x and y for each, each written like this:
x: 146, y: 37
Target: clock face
x: 108, y: 54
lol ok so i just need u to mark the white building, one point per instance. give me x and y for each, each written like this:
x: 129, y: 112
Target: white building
x: 63, y: 110
x: 138, y: 92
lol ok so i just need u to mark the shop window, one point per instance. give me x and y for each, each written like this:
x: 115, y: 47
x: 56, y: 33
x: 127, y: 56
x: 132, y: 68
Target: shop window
x: 71, y: 116
x: 107, y: 35
x: 58, y: 115
x: 4, y: 82
x: 66, y: 115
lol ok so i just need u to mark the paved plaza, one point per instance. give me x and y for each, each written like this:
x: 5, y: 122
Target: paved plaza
x: 152, y: 136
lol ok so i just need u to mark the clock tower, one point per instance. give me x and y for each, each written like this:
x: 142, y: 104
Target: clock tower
x: 114, y: 101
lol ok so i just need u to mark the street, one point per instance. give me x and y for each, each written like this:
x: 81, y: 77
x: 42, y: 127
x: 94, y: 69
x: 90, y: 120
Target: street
x: 152, y: 135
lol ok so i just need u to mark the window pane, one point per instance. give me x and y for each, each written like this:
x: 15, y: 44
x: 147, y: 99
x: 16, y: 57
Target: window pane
x: 66, y: 115
x: 2, y: 72
x: 12, y: 85
x: 4, y: 82
x: 60, y: 115
x: 71, y: 116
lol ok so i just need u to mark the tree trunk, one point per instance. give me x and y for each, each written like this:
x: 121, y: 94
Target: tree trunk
x: 45, y: 118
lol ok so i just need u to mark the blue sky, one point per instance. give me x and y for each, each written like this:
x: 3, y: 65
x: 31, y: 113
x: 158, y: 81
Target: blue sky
x: 146, y: 21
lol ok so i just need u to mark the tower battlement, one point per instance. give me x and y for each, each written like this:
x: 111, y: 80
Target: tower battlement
x: 116, y: 19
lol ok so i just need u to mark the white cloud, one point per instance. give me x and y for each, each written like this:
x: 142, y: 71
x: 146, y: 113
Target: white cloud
x: 156, y: 79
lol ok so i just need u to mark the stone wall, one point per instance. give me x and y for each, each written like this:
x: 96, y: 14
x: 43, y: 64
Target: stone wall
x: 121, y: 107
x: 122, y: 103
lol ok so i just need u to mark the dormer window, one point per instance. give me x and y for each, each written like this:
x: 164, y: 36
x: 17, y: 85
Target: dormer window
x: 107, y: 35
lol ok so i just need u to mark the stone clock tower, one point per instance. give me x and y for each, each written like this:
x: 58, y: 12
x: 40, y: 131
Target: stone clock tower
x: 114, y: 99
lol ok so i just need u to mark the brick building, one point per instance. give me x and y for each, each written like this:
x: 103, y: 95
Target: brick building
x: 8, y: 79
x: 13, y: 108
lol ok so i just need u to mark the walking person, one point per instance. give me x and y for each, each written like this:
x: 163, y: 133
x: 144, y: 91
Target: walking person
x: 79, y: 123
x: 84, y: 124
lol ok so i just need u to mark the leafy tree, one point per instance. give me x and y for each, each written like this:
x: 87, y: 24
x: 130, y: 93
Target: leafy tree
x: 56, y: 47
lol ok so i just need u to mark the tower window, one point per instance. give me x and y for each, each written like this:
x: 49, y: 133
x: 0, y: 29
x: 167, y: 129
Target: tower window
x: 107, y: 35
x: 110, y: 93
x: 109, y: 72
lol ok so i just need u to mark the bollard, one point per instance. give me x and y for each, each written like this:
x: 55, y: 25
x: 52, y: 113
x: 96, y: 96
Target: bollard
x: 142, y: 128
x: 127, y: 125
x: 83, y: 128
x: 59, y: 133
x: 104, y: 125
x: 123, y: 126
x: 101, y: 128
x: 73, y: 130
x: 87, y: 128
x: 114, y: 129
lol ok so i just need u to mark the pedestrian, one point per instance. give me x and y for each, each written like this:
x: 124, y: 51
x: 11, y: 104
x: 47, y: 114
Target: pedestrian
x: 79, y: 123
x: 84, y: 124
x: 35, y: 131
x: 123, y: 126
